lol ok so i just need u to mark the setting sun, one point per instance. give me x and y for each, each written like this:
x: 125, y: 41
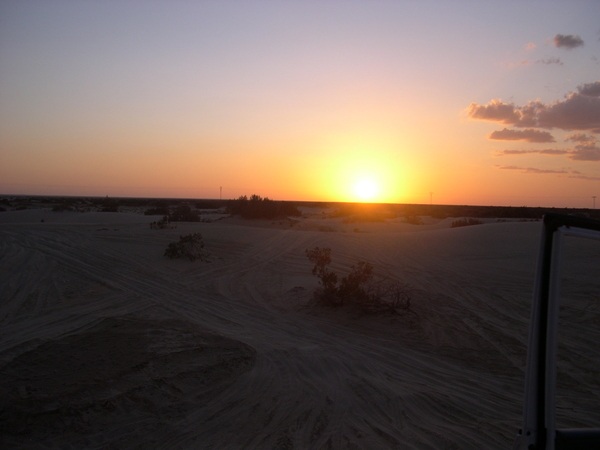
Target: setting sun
x: 366, y: 189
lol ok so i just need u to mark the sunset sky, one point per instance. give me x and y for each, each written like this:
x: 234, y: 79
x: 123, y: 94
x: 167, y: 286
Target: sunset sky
x: 455, y: 102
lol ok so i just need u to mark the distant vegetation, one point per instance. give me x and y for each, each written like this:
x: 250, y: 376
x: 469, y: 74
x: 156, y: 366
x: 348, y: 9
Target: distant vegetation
x: 354, y: 212
x: 65, y: 204
x: 158, y: 211
x: 180, y: 213
x: 162, y: 224
x: 358, y: 288
x: 357, y: 212
x: 190, y: 246
x: 184, y: 213
x: 466, y: 222
x: 257, y: 207
x: 109, y: 205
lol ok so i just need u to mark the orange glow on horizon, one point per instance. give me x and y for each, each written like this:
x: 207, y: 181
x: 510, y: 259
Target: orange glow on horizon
x: 360, y: 172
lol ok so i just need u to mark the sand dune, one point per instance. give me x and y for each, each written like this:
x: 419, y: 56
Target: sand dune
x: 107, y: 344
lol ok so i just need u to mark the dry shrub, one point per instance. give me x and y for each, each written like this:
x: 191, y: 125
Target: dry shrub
x: 162, y: 224
x: 358, y: 288
x: 465, y: 222
x: 190, y: 246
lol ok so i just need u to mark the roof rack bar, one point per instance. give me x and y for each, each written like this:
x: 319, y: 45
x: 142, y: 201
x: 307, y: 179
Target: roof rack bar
x: 539, y: 428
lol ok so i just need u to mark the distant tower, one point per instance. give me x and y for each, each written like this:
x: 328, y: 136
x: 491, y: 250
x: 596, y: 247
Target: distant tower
x: 220, y: 192
x: 594, y: 197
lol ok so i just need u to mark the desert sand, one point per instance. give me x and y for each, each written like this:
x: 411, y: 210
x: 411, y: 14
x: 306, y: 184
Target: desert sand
x: 107, y: 344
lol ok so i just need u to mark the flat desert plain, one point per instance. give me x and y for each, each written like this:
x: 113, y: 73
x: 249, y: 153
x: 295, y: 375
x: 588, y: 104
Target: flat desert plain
x: 107, y: 344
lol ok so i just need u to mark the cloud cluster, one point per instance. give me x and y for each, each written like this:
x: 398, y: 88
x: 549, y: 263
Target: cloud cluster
x: 546, y: 151
x: 564, y: 41
x: 532, y: 169
x: 568, y: 41
x: 549, y: 61
x: 527, y: 135
x: 590, y: 89
x: 585, y: 149
x: 570, y: 173
x: 578, y: 111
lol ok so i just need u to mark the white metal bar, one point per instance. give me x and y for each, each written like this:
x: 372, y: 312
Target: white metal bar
x: 579, y: 232
x: 552, y: 338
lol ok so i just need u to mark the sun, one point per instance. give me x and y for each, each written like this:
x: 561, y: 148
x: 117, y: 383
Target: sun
x: 366, y: 189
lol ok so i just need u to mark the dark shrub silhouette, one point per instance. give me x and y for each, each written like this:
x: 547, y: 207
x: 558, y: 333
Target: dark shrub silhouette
x: 162, y: 224
x: 190, y: 246
x: 358, y: 288
x: 257, y: 207
x: 184, y: 213
x: 465, y: 222
x: 321, y: 258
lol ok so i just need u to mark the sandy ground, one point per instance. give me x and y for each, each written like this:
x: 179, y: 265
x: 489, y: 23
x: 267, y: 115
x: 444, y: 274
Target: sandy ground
x: 107, y: 344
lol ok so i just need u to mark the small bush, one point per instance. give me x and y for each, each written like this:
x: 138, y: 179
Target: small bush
x: 190, y: 246
x: 162, y: 224
x: 465, y: 222
x: 358, y: 288
x: 321, y: 258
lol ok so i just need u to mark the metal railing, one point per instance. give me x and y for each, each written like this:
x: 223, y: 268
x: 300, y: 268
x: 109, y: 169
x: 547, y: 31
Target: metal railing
x: 539, y: 417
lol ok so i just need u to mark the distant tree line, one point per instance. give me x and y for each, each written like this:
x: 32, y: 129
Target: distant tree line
x: 357, y: 212
x: 257, y: 207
